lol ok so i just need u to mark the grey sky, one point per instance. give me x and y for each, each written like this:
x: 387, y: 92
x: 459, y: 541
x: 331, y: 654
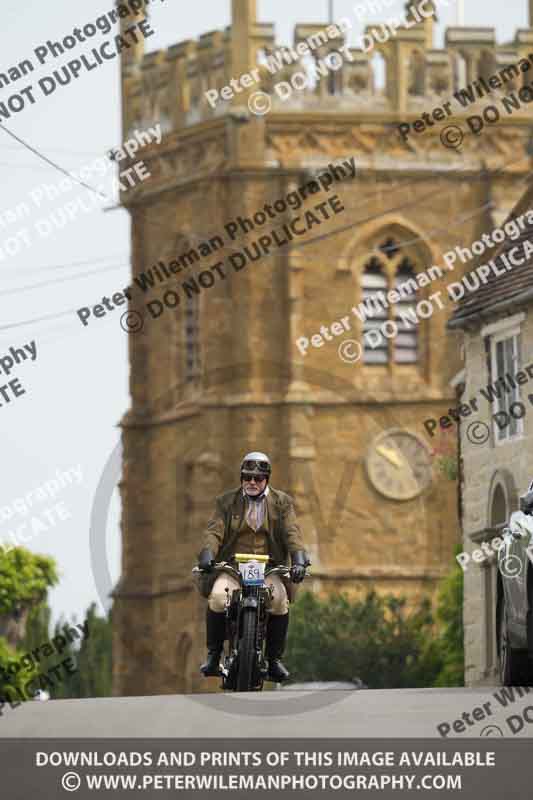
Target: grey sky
x: 77, y: 389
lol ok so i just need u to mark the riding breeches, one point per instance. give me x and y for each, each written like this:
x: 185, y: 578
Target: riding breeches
x: 217, y: 599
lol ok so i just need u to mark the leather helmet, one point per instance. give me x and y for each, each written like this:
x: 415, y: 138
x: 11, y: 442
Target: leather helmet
x: 256, y: 463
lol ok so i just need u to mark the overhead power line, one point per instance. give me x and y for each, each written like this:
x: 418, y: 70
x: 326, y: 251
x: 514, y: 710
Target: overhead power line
x: 56, y: 150
x: 322, y: 236
x: 11, y: 165
x: 21, y: 289
x: 37, y: 319
x: 112, y: 258
x: 58, y: 167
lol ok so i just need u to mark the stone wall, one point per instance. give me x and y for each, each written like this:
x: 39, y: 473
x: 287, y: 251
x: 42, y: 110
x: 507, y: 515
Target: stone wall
x: 509, y: 465
x: 315, y: 415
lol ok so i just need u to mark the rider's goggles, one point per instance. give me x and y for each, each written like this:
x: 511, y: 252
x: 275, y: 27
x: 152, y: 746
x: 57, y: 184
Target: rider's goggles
x: 257, y: 466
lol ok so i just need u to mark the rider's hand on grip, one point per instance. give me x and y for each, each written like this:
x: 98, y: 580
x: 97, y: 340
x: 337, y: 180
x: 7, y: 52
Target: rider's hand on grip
x: 297, y: 574
x: 299, y: 562
x: 206, y: 560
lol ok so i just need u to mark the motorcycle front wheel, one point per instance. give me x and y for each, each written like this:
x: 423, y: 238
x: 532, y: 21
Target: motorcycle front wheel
x: 246, y: 678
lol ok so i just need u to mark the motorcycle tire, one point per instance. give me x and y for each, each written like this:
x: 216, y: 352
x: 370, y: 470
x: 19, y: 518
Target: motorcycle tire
x: 246, y: 678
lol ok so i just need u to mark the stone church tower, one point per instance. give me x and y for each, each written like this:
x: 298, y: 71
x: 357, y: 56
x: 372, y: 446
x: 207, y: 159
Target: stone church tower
x: 218, y: 373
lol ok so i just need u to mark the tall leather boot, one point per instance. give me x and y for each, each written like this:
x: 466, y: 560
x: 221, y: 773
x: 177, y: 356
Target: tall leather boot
x: 276, y: 637
x: 215, y: 625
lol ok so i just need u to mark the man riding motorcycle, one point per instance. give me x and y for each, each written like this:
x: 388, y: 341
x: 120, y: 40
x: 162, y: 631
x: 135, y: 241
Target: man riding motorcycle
x: 255, y: 518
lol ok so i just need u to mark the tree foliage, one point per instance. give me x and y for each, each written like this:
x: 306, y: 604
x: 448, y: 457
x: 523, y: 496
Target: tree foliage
x: 24, y: 582
x: 93, y: 676
x: 92, y: 655
x: 374, y: 639
x: 446, y: 455
x: 378, y: 639
x: 37, y: 627
x: 12, y: 680
x: 24, y: 579
x: 449, y: 642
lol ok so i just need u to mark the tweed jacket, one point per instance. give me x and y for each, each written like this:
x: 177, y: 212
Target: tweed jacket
x: 223, y: 528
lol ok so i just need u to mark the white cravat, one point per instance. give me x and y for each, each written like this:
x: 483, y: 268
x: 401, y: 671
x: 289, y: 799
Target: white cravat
x: 256, y: 510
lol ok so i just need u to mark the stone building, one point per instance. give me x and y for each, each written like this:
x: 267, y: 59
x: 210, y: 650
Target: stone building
x: 497, y: 324
x: 219, y: 373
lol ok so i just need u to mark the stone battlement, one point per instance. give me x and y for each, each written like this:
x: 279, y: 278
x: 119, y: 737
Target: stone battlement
x: 170, y: 85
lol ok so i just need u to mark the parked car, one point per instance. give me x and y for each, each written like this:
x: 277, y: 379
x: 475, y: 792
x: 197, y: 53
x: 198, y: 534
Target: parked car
x: 514, y: 612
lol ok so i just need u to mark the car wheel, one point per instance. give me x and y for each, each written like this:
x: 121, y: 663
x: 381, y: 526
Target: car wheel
x: 516, y: 669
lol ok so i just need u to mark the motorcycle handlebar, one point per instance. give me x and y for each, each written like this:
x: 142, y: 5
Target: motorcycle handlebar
x: 224, y: 564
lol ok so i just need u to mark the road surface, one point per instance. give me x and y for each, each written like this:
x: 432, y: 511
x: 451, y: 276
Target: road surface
x: 403, y: 713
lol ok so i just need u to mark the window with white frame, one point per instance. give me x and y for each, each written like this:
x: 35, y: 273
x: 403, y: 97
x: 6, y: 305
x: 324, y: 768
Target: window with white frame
x: 406, y: 342
x: 505, y: 363
x: 373, y: 283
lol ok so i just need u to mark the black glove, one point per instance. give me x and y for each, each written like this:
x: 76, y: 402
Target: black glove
x: 299, y: 562
x: 206, y: 560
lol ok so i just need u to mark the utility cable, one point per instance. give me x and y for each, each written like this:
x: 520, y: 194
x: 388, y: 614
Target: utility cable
x: 38, y: 319
x: 113, y: 258
x: 58, y: 167
x: 55, y: 150
x: 331, y: 233
x: 21, y: 289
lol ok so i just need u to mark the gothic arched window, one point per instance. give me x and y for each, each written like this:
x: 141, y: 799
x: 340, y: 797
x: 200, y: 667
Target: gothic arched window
x: 406, y: 342
x: 374, y: 284
x: 388, y: 308
x: 498, y: 510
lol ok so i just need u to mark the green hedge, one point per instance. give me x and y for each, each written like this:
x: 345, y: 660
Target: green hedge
x: 378, y: 640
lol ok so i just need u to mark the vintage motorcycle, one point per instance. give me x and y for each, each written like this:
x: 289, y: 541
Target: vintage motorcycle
x: 244, y: 666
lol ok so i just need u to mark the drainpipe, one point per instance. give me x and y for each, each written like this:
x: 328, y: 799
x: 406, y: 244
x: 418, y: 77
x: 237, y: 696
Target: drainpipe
x: 458, y: 383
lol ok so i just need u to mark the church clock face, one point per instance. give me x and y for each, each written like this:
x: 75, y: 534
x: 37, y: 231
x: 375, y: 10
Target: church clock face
x: 399, y: 464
